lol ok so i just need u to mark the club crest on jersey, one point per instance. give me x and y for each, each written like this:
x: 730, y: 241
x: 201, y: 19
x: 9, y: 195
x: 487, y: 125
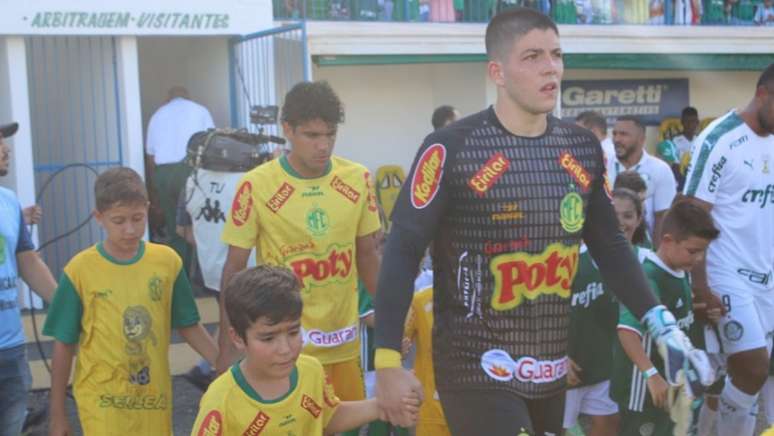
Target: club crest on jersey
x: 310, y: 405
x: 488, y: 175
x: 242, y: 204
x: 212, y: 425
x: 427, y: 176
x: 575, y: 170
x: 523, y: 275
x: 255, y: 428
x: 344, y: 189
x: 279, y: 198
x: 571, y: 212
x: 499, y: 365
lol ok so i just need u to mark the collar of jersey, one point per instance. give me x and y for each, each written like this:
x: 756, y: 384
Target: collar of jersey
x: 634, y: 167
x: 653, y: 257
x: 550, y: 120
x: 138, y: 256
x: 236, y: 371
x: 291, y: 171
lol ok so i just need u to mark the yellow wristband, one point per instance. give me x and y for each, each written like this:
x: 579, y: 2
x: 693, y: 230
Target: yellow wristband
x: 386, y: 358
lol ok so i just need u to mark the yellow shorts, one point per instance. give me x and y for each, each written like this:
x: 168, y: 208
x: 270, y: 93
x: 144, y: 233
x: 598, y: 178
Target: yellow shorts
x: 347, y: 379
x: 432, y: 429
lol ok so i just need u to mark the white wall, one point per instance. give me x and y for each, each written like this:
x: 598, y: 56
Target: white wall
x: 5, y: 105
x: 201, y: 64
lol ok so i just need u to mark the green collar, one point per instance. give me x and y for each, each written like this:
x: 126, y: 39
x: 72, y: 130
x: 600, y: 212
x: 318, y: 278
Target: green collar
x: 138, y: 256
x: 290, y: 170
x: 236, y: 371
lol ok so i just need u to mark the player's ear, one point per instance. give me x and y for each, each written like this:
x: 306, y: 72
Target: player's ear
x: 238, y: 341
x: 495, y: 71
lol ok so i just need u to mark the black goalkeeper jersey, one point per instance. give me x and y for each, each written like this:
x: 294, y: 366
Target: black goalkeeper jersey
x: 505, y: 215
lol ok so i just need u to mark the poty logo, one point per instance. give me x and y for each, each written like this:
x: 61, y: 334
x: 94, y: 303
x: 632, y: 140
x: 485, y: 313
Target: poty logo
x: 344, y: 189
x: 716, y: 168
x: 336, y: 263
x: 520, y: 275
x: 499, y: 365
x: 762, y: 196
x: 488, y: 175
x: 323, y: 339
x: 212, y: 425
x: 576, y: 170
x: 242, y: 204
x: 279, y: 198
x: 255, y: 428
x: 309, y: 404
x: 427, y: 176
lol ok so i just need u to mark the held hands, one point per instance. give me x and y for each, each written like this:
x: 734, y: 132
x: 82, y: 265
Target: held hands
x: 658, y: 389
x: 398, y: 394
x: 59, y: 426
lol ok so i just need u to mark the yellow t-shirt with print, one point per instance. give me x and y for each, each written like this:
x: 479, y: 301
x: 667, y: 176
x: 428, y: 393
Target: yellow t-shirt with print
x: 232, y: 407
x: 419, y: 328
x: 310, y: 226
x: 121, y: 313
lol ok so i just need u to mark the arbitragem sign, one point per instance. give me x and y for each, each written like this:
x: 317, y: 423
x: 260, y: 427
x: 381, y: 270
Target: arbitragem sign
x: 143, y: 20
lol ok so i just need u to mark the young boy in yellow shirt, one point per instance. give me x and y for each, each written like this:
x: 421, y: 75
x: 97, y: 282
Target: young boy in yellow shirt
x: 275, y: 389
x: 116, y: 304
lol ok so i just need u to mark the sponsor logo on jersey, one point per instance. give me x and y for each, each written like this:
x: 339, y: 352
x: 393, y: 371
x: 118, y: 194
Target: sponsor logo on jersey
x: 322, y: 339
x: 499, y: 365
x: 584, y: 298
x: 312, y: 191
x: 212, y: 425
x: 520, y: 275
x: 488, y: 175
x: 131, y: 402
x: 737, y: 142
x: 280, y: 197
x: 309, y: 404
x: 329, y: 395
x: 334, y: 264
x: 716, y: 168
x: 255, y: 428
x: 571, y: 212
x: 344, y: 189
x: 497, y: 247
x: 300, y: 247
x: 242, y: 204
x: 759, y: 278
x: 762, y: 196
x: 317, y: 221
x: 733, y: 331
x: 371, y: 194
x: 427, y: 176
x: 576, y: 170
x: 508, y: 212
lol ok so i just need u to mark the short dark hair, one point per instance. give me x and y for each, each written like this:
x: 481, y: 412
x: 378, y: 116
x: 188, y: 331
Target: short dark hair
x: 441, y: 116
x: 634, y: 119
x: 685, y: 219
x: 767, y: 77
x: 639, y: 236
x: 264, y: 291
x: 592, y: 119
x: 511, y: 23
x: 308, y: 101
x: 632, y: 180
x: 120, y: 185
x: 689, y: 111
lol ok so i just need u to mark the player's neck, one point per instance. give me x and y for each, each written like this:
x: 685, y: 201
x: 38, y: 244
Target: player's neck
x: 518, y: 121
x: 750, y: 117
x: 117, y: 252
x: 303, y: 170
x: 268, y: 388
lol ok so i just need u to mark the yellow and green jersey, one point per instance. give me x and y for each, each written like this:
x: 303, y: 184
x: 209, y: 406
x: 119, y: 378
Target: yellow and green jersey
x: 232, y: 407
x: 121, y: 313
x: 310, y: 226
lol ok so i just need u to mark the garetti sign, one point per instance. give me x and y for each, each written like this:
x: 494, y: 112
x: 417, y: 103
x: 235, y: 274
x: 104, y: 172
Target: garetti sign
x: 650, y: 99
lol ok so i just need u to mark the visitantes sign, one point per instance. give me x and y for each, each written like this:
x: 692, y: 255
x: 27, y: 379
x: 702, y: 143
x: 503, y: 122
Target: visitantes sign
x: 134, y: 17
x: 650, y: 99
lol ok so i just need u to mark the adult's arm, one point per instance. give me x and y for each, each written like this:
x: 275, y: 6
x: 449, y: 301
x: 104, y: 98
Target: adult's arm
x: 367, y: 259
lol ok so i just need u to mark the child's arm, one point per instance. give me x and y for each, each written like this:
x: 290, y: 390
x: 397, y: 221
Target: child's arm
x: 201, y: 341
x: 61, y: 365
x: 632, y: 345
x: 353, y: 414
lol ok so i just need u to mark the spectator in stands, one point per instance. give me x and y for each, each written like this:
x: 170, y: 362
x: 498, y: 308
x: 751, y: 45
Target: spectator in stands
x: 385, y: 9
x: 443, y: 116
x: 442, y: 11
x: 597, y: 123
x: 764, y: 14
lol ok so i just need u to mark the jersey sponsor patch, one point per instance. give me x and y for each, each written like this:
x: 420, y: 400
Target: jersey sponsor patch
x: 344, y: 189
x: 523, y: 275
x: 575, y: 170
x: 329, y: 395
x: 499, y: 365
x: 324, y: 339
x: 488, y: 175
x: 255, y: 428
x: 312, y: 269
x: 309, y: 404
x: 242, y: 204
x: 280, y: 197
x: 212, y: 425
x: 427, y: 176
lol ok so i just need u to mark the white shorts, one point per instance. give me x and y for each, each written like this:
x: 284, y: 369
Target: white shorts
x: 370, y: 383
x: 747, y: 325
x: 767, y: 395
x: 591, y: 400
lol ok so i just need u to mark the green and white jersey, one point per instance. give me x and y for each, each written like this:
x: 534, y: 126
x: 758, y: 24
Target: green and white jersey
x: 732, y: 169
x: 628, y: 387
x: 667, y: 150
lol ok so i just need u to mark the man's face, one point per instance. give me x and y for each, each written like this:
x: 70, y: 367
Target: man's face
x: 531, y: 72
x: 311, y: 145
x: 5, y: 157
x: 627, y: 138
x: 765, y: 96
x: 690, y: 124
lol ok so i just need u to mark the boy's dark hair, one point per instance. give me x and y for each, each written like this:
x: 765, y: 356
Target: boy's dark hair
x: 308, y: 101
x: 634, y: 119
x: 685, y: 219
x: 441, y: 116
x: 639, y: 236
x: 119, y: 185
x: 592, y: 119
x: 689, y: 111
x: 630, y: 179
x: 267, y: 291
x: 511, y: 24
x: 767, y: 77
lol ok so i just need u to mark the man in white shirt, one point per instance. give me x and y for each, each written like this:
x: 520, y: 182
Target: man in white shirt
x: 597, y: 123
x: 630, y: 154
x: 169, y: 130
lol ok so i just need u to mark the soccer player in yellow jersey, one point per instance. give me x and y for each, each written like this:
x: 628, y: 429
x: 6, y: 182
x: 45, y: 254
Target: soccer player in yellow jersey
x: 116, y: 304
x: 275, y: 389
x: 419, y: 330
x: 316, y: 214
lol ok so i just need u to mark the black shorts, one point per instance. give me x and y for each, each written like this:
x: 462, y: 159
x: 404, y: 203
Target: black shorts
x: 500, y: 413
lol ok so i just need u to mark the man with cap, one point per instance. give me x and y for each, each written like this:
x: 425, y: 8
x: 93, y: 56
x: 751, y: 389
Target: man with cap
x: 17, y: 258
